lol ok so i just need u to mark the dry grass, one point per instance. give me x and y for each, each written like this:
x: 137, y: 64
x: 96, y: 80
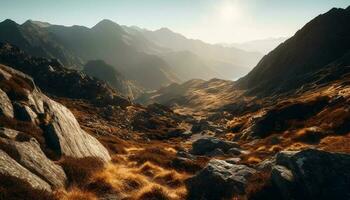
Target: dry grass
x: 75, y: 194
x: 147, y: 181
x: 336, y: 144
x: 157, y: 155
x: 80, y: 170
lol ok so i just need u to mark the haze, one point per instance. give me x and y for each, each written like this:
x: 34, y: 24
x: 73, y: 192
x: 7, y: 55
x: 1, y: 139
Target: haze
x: 213, y: 21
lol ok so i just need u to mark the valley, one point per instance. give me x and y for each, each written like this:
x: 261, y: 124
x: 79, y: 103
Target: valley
x: 123, y: 113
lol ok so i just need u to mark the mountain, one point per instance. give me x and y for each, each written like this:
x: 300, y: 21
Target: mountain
x: 263, y: 46
x: 76, y: 45
x: 317, y: 53
x: 229, y: 62
x: 101, y: 70
x: 144, y: 57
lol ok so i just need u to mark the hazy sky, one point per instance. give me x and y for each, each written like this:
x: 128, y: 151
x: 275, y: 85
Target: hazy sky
x: 209, y: 20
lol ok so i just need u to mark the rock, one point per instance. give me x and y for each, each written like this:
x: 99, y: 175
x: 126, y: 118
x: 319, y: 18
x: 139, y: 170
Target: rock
x: 5, y: 105
x: 206, y: 145
x: 284, y: 178
x: 184, y: 154
x: 32, y: 158
x: 216, y: 152
x: 316, y: 174
x: 9, y: 166
x: 267, y: 163
x: 24, y: 113
x: 233, y: 160
x: 219, y: 180
x: 234, y: 151
x: 66, y: 137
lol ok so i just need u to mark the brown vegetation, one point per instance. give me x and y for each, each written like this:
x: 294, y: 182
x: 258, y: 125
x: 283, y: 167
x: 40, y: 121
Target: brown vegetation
x: 80, y: 170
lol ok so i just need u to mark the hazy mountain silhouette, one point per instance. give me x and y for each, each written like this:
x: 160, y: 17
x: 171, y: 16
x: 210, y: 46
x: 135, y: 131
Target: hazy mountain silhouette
x: 263, y: 46
x: 229, y: 62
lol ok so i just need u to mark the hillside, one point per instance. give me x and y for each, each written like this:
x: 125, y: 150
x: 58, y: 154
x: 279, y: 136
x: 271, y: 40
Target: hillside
x: 321, y: 45
x: 101, y: 70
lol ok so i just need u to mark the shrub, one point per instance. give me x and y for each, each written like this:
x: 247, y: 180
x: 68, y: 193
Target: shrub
x: 80, y: 170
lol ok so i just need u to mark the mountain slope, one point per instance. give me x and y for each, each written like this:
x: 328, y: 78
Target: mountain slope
x: 229, y: 62
x: 74, y: 46
x: 297, y: 61
x: 99, y: 69
x: 263, y: 46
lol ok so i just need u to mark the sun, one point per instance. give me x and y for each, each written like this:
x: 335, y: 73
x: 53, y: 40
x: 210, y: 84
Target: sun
x: 229, y: 11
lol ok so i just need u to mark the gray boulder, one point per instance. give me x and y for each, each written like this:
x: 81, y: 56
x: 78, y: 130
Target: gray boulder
x: 9, y: 166
x: 219, y: 180
x: 30, y: 156
x: 5, y: 105
x: 209, y: 144
x: 65, y: 135
x: 312, y: 174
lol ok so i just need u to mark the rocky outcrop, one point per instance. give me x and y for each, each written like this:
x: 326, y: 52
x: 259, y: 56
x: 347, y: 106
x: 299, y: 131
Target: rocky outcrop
x: 30, y: 156
x: 49, y: 127
x: 210, y: 144
x: 312, y: 174
x: 62, y: 131
x: 6, y: 107
x: 9, y: 166
x: 219, y: 180
x: 66, y: 136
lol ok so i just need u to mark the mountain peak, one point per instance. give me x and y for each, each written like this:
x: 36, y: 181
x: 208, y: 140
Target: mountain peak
x: 107, y: 24
x: 8, y: 21
x: 165, y: 29
x: 37, y: 23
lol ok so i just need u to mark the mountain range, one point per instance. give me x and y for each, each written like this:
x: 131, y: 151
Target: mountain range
x: 144, y: 57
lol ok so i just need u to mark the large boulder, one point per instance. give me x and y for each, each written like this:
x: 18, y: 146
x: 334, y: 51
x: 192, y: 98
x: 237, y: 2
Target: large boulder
x: 30, y: 156
x: 9, y: 166
x: 65, y: 135
x: 219, y: 180
x: 210, y: 144
x: 6, y: 107
x: 312, y: 174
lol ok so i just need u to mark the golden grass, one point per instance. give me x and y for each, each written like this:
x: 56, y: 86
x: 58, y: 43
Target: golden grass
x: 75, y: 194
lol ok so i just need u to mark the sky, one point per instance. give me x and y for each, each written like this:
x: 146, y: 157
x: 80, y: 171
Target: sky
x: 213, y: 21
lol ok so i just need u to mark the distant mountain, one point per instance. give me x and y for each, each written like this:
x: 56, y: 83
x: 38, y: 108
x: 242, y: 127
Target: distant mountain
x: 76, y: 45
x: 149, y: 58
x: 263, y: 46
x: 228, y: 62
x: 317, y: 53
x: 100, y: 70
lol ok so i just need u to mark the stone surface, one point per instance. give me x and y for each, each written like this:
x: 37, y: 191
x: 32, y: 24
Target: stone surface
x: 206, y: 145
x: 6, y: 107
x: 66, y: 137
x: 33, y: 158
x: 219, y: 180
x: 312, y: 174
x: 9, y: 166
x: 24, y: 113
